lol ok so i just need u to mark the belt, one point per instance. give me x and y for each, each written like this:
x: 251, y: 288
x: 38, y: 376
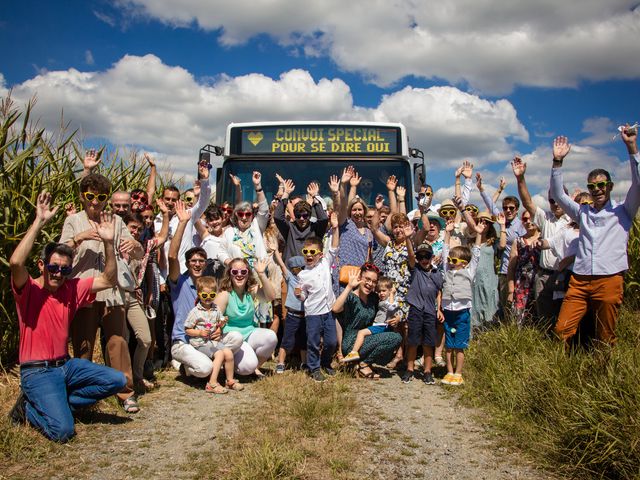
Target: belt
x: 44, y: 363
x: 295, y: 313
x: 175, y: 342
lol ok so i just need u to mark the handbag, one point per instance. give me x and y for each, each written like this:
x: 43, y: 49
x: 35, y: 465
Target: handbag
x: 125, y: 277
x: 346, y: 271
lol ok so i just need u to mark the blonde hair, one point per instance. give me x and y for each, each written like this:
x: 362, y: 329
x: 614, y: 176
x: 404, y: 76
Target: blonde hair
x: 209, y: 283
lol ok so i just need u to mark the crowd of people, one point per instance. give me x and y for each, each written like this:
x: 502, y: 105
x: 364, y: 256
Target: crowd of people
x: 311, y: 282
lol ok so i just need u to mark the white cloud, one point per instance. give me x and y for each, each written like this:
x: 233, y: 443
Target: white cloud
x: 142, y: 102
x: 601, y: 130
x: 491, y: 45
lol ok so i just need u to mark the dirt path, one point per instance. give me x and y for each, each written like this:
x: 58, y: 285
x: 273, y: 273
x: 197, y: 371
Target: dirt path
x: 408, y: 431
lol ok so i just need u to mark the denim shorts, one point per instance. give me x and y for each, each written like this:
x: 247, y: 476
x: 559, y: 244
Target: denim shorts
x: 457, y: 328
x: 379, y: 329
x: 422, y: 328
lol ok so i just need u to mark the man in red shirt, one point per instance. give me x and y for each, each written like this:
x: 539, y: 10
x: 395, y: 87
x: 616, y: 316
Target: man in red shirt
x: 54, y: 385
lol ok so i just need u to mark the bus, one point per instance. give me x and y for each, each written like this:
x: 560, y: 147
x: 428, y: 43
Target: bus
x: 308, y: 152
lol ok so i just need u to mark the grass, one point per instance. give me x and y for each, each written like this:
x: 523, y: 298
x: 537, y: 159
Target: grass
x: 573, y: 411
x: 302, y: 432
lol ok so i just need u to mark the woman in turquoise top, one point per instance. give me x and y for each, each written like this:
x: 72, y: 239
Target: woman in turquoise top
x: 238, y: 292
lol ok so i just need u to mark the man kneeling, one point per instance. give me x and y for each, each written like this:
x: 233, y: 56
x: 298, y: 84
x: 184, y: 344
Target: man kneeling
x: 54, y: 385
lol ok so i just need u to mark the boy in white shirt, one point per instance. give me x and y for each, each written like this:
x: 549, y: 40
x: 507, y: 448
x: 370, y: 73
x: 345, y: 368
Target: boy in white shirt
x: 316, y: 291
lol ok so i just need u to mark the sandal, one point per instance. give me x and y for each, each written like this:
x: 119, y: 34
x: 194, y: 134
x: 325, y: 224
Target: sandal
x: 362, y: 372
x: 130, y: 405
x: 216, y: 388
x: 235, y: 385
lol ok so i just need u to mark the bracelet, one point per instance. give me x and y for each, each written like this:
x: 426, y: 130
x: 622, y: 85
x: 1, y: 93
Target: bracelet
x: 258, y: 190
x: 75, y: 242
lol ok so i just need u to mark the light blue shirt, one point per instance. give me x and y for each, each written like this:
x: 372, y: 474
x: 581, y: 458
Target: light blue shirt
x: 602, y: 242
x: 183, y: 298
x: 292, y: 301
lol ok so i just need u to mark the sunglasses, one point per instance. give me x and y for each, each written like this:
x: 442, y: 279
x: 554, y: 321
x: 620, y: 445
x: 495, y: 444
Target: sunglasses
x: 425, y: 194
x: 471, y: 208
x: 55, y: 268
x: 189, y: 199
x: 139, y: 196
x: 311, y: 251
x: 370, y: 267
x: 302, y: 216
x: 586, y: 202
x: 239, y: 272
x: 455, y: 260
x: 227, y: 210
x: 89, y: 196
x: 207, y: 295
x: 598, y: 185
x: 205, y: 164
x: 509, y: 208
x: 552, y: 201
x: 446, y: 212
x: 244, y: 214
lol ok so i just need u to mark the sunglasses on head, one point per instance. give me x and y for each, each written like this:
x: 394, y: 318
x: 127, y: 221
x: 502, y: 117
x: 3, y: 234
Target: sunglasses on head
x: 239, y: 272
x: 447, y: 212
x: 207, y: 295
x: 509, y: 208
x: 302, y: 216
x: 89, y: 196
x: 55, y: 268
x: 471, y: 208
x: 244, y: 214
x: 370, y: 267
x: 138, y: 196
x: 311, y: 251
x: 598, y: 185
x: 455, y: 260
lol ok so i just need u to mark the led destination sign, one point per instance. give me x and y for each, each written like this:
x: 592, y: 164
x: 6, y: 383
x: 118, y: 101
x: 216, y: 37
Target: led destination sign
x: 319, y: 140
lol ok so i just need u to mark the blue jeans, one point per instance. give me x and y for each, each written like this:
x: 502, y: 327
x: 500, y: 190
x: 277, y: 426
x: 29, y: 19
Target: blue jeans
x: 320, y: 327
x: 54, y: 393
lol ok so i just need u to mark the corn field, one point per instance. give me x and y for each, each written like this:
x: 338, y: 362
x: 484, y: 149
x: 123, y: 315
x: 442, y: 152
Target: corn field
x: 30, y: 161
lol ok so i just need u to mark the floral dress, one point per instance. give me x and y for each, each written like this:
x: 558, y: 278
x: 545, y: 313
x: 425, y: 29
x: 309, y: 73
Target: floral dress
x: 396, y: 266
x: 526, y: 268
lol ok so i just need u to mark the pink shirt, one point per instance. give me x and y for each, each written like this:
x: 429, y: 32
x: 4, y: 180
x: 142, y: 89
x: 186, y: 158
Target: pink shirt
x: 44, y: 317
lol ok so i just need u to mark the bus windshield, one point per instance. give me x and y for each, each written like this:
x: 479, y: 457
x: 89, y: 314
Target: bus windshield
x: 374, y: 174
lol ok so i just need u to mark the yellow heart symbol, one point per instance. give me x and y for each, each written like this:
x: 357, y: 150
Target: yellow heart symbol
x: 255, y: 137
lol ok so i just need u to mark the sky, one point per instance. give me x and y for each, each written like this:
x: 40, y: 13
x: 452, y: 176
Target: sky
x: 480, y: 80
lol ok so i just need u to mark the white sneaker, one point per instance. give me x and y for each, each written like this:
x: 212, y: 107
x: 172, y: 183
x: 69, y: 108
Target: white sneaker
x: 175, y: 364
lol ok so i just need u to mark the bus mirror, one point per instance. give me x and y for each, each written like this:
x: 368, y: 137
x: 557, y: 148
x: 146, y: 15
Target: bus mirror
x: 418, y: 176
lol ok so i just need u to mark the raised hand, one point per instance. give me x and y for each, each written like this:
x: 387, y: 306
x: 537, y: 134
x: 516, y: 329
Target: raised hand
x: 260, y: 266
x: 408, y: 230
x: 106, y: 229
x: 629, y: 136
x: 162, y: 206
x: 150, y: 160
x: 313, y: 189
x: 400, y: 191
x: 500, y: 218
x: 334, y: 183
x: 256, y: 178
x: 503, y: 182
x: 279, y: 178
x: 518, y: 166
x: 289, y: 186
x: 458, y: 202
x: 203, y: 170
x: 333, y: 219
x: 480, y: 227
x: 392, y: 183
x: 44, y: 213
x: 450, y: 225
x: 355, y: 179
x: 183, y: 214
x: 91, y: 159
x: 479, y: 182
x: 379, y: 202
x: 561, y: 148
x: 467, y: 169
x: 347, y: 173
x: 234, y: 179
x: 354, y: 280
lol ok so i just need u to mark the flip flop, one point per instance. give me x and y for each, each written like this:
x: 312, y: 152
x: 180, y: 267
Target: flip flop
x: 130, y: 405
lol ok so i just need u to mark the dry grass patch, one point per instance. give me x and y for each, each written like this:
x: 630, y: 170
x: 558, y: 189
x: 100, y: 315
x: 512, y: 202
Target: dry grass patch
x: 302, y: 431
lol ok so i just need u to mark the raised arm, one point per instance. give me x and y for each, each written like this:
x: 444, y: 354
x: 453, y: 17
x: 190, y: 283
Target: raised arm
x: 205, y: 193
x: 18, y: 260
x: 519, y: 169
x: 499, y: 190
x: 354, y: 282
x: 409, y: 232
x: 353, y: 186
x: 279, y: 215
x: 561, y: 147
x: 347, y: 173
x: 485, y: 197
x: 90, y: 162
x: 262, y: 217
x: 260, y: 266
x: 184, y: 216
x: 400, y: 196
x: 237, y: 188
x: 106, y: 230
x: 163, y: 234
x: 632, y: 201
x: 392, y: 183
x: 502, y: 221
x: 380, y: 237
x: 151, y: 182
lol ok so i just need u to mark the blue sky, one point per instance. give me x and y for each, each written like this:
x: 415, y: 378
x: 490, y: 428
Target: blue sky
x: 479, y: 80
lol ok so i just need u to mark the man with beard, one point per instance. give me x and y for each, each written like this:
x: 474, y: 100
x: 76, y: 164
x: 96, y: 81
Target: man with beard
x: 601, y: 261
